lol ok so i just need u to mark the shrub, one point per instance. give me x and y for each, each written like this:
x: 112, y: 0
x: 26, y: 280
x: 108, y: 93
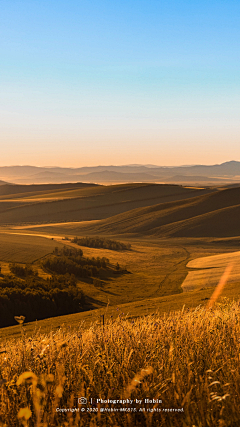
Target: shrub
x: 21, y: 271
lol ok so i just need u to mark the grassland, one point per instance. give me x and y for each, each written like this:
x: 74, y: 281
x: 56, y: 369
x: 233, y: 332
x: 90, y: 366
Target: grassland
x: 206, y: 271
x: 24, y: 249
x: 209, y: 215
x: 39, y: 204
x: 156, y: 265
x: 157, y: 341
x: 19, y: 191
x: 157, y: 270
x: 132, y: 310
x: 176, y: 358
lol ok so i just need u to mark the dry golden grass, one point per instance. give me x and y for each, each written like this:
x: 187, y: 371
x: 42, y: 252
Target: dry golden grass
x: 206, y: 271
x: 83, y: 204
x: 209, y: 215
x: 188, y: 359
x: 148, y: 263
x: 133, y: 310
x: 24, y: 249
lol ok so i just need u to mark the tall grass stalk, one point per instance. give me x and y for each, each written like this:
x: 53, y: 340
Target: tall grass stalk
x: 188, y: 359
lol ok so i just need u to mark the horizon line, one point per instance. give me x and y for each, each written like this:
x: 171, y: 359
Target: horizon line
x: 149, y: 166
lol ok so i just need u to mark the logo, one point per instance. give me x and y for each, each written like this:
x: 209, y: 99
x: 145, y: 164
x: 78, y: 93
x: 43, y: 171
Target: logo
x: 82, y: 400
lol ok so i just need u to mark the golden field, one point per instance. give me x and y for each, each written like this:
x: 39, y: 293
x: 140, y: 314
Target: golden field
x: 188, y: 360
x: 159, y: 339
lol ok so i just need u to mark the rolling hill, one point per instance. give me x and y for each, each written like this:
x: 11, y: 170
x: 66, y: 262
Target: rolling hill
x: 209, y: 215
x: 81, y: 202
x: 18, y: 190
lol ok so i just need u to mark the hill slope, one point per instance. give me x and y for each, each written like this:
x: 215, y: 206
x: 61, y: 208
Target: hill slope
x: 83, y: 202
x: 215, y: 214
x: 14, y: 190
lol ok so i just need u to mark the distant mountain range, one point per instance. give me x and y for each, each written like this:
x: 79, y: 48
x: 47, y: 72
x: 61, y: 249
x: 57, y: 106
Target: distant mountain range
x: 225, y: 173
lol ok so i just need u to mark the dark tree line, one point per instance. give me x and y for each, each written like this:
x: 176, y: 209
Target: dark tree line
x: 37, y: 298
x: 97, y: 242
x: 21, y: 271
x: 72, y: 261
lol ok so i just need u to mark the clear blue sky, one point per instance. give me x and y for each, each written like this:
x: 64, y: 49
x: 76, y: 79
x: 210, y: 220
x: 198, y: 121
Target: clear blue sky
x: 118, y: 82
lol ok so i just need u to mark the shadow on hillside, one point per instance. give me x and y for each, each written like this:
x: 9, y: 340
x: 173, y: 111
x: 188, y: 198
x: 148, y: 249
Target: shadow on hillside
x: 110, y: 275
x: 108, y: 292
x: 106, y: 276
x: 90, y: 303
x: 227, y: 242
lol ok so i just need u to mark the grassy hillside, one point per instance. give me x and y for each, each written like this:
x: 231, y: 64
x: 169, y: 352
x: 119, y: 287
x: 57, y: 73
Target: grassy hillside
x: 186, y: 361
x: 153, y: 268
x: 145, y: 349
x: 85, y: 203
x: 148, y: 265
x: 215, y: 214
x: 130, y: 310
x: 14, y: 190
x: 24, y: 249
x: 220, y: 223
x: 206, y: 271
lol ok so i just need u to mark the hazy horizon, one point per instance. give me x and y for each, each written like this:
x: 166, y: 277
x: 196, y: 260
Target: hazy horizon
x: 119, y: 83
x: 116, y: 165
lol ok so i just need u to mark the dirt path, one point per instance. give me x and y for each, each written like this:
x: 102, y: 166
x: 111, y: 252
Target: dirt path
x: 177, y: 273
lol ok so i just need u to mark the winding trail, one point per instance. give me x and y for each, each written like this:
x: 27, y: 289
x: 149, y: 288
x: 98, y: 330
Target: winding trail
x: 173, y: 270
x: 205, y: 271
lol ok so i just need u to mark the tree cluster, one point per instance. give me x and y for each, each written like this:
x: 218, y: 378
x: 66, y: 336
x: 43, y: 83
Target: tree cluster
x: 20, y: 271
x: 72, y: 261
x: 36, y: 298
x: 97, y: 242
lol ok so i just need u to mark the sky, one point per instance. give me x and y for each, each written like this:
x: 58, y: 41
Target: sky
x: 103, y: 82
